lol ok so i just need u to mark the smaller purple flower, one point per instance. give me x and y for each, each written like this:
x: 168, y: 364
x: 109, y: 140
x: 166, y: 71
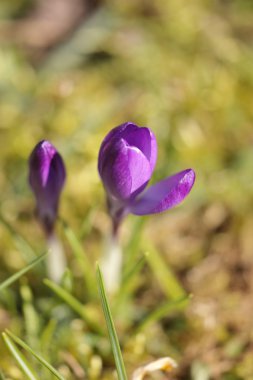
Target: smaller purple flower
x: 126, y: 161
x: 46, y: 177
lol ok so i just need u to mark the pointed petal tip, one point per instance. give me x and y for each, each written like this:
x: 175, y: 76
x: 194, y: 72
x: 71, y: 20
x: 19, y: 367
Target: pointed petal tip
x: 189, y: 178
x: 165, y: 194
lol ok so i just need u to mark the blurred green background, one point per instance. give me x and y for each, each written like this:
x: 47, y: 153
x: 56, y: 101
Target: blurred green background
x: 72, y: 70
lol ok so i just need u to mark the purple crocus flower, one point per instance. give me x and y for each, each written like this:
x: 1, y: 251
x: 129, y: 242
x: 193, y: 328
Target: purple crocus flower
x: 126, y: 161
x: 46, y: 177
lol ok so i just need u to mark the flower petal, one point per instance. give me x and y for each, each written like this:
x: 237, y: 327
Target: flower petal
x: 165, y: 194
x: 105, y: 146
x: 46, y: 177
x: 40, y: 161
x: 153, y: 150
x: 115, y: 172
x: 143, y: 139
x: 140, y: 137
x: 139, y: 168
x: 125, y: 171
x: 47, y: 170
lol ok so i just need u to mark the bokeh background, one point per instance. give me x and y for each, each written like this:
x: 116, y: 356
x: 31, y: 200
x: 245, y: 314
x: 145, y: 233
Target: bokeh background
x: 72, y: 70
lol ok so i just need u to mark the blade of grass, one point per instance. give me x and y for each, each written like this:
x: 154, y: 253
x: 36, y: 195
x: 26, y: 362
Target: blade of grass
x: 82, y: 259
x: 30, y: 316
x: 75, y: 305
x: 163, y: 311
x: 38, y: 357
x: 46, y: 337
x: 21, y: 243
x: 133, y: 244
x: 111, y: 329
x: 129, y: 282
x: 164, y: 275
x: 2, y: 377
x: 20, y: 273
x: 19, y: 357
x: 136, y: 268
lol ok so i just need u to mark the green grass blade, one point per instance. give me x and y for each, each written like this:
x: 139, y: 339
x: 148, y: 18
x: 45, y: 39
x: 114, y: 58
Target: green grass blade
x: 20, y: 273
x: 38, y: 357
x: 111, y: 329
x: 132, y: 247
x: 30, y: 316
x: 75, y: 305
x: 21, y: 243
x: 136, y: 268
x: 164, y: 310
x: 19, y: 357
x: 82, y: 260
x: 164, y: 275
x: 2, y: 377
x: 130, y: 281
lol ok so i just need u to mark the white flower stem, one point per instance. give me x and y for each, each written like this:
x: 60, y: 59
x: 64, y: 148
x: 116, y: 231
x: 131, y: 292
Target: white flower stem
x: 56, y: 260
x: 111, y: 264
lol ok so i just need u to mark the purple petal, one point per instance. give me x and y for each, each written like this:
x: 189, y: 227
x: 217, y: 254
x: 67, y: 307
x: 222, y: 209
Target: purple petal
x: 115, y: 132
x: 46, y: 177
x: 144, y: 140
x: 139, y: 168
x: 46, y: 167
x: 125, y: 170
x: 153, y: 149
x: 140, y: 137
x: 115, y: 172
x: 165, y: 194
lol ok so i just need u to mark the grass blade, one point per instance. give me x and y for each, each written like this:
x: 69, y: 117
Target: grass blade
x: 19, y: 357
x: 111, y: 329
x: 38, y: 357
x: 75, y: 305
x: 163, y: 311
x: 20, y: 273
x: 82, y: 259
x: 132, y: 247
x: 46, y: 336
x: 130, y: 281
x: 164, y: 275
x: 21, y: 243
x: 30, y: 316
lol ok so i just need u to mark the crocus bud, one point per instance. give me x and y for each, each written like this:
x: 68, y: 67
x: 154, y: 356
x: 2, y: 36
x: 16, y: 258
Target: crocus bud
x: 46, y: 177
x: 126, y: 161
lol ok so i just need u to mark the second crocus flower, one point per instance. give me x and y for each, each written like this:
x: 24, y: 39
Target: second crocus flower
x: 46, y: 177
x: 127, y: 158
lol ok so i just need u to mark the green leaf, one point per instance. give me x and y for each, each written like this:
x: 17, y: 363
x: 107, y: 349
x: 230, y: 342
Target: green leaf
x: 21, y: 243
x: 46, y: 336
x: 111, y: 329
x: 75, y: 305
x: 38, y: 357
x: 19, y: 357
x: 164, y: 275
x: 30, y: 316
x: 132, y: 247
x: 129, y: 283
x: 20, y: 273
x: 136, y: 268
x: 163, y: 311
x: 82, y: 260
